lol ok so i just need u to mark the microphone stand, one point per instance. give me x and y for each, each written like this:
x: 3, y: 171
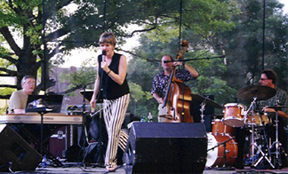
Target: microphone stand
x: 83, y: 132
x: 186, y: 60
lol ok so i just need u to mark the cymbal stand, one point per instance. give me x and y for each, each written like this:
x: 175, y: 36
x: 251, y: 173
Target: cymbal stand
x: 276, y: 143
x: 203, y: 104
x: 253, y: 143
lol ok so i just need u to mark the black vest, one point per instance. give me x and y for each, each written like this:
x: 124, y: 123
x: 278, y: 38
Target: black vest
x: 111, y: 89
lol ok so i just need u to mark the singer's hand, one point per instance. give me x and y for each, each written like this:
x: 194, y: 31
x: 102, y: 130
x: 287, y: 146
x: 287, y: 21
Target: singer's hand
x: 93, y: 102
x: 104, y: 66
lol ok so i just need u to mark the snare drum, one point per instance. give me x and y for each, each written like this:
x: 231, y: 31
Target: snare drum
x: 234, y: 114
x: 218, y: 127
x: 215, y: 155
x: 259, y: 120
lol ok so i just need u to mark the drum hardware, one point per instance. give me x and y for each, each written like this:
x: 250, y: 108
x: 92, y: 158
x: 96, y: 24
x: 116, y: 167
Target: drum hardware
x: 224, y: 167
x: 276, y: 143
x: 254, y: 143
x: 204, y: 101
x: 265, y: 145
x: 203, y: 104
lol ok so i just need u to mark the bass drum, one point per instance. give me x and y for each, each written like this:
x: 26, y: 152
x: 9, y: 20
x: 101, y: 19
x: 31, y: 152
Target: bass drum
x: 215, y: 153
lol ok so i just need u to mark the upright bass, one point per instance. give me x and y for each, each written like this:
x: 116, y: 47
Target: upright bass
x: 177, y: 99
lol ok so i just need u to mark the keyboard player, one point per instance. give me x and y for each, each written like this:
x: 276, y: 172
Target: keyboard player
x: 17, y: 105
x: 18, y: 99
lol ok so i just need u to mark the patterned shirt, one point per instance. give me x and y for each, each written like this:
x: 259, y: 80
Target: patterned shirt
x: 281, y: 99
x: 160, y: 81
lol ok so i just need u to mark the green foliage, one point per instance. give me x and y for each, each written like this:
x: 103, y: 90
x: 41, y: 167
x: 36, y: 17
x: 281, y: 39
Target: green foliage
x: 137, y: 94
x: 85, y: 75
x: 206, y: 25
x: 67, y: 29
x: 244, y: 44
x: 6, y: 91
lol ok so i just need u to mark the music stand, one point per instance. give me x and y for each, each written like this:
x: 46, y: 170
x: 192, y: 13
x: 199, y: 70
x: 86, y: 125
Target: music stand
x: 88, y: 95
x: 52, y: 102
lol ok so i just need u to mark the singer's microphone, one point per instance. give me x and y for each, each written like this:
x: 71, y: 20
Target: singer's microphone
x: 103, y: 55
x: 223, y: 51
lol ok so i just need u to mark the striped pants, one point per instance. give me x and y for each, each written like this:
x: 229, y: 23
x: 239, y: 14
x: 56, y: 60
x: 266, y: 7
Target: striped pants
x: 114, y: 115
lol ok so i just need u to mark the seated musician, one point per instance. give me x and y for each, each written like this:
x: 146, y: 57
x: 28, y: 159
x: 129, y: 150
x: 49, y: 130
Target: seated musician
x: 17, y: 105
x: 18, y: 99
x: 268, y: 78
x: 161, y: 81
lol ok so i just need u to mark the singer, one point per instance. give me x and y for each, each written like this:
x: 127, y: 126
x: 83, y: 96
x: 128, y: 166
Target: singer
x: 111, y: 78
x: 161, y: 80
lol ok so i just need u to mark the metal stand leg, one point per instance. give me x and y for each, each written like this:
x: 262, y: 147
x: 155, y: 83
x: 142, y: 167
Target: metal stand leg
x: 277, y: 144
x: 254, y: 144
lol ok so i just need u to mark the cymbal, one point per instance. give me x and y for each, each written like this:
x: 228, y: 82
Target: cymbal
x: 260, y: 92
x: 206, y: 99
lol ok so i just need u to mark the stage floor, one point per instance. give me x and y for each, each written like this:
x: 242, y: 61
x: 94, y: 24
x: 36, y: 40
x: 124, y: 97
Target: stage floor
x: 73, y: 168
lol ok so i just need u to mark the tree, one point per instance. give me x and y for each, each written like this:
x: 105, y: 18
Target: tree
x: 244, y: 43
x: 65, y: 29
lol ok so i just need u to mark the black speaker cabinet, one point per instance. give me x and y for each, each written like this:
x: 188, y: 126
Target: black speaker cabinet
x: 166, y: 148
x: 15, y: 152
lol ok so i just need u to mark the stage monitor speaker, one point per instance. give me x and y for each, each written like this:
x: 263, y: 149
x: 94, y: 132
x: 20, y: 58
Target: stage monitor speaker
x: 166, y: 148
x: 15, y: 152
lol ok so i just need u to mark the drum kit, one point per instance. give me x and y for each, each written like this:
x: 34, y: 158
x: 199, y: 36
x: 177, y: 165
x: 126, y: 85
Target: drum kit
x: 222, y: 148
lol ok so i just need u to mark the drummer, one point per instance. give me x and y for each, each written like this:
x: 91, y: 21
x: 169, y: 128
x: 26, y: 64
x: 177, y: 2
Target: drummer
x: 268, y: 78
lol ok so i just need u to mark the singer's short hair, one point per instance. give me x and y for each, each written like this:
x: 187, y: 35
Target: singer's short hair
x: 270, y: 74
x: 107, y: 37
